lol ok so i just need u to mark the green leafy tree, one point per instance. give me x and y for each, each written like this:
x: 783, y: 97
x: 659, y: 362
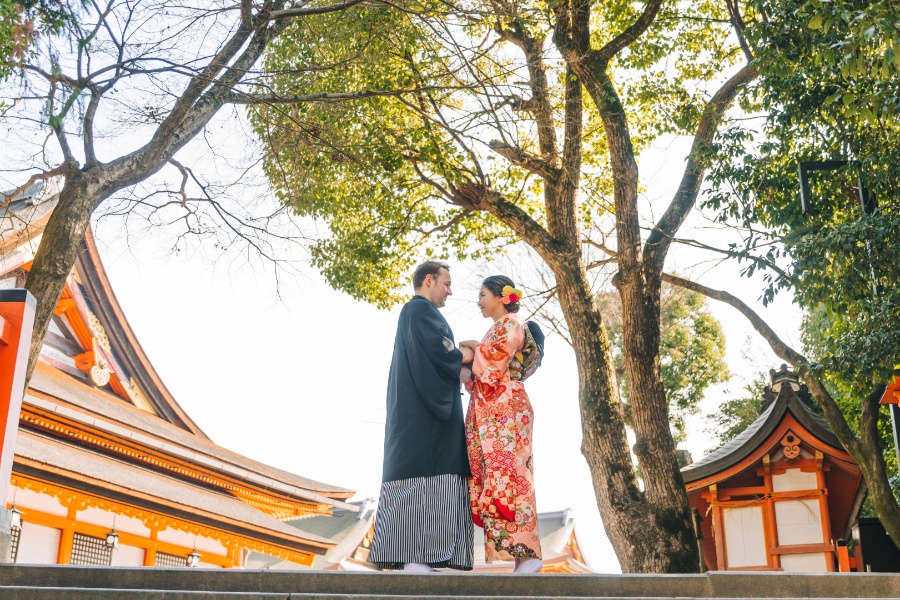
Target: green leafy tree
x: 692, y: 350
x: 829, y: 90
x: 519, y: 122
x: 21, y: 21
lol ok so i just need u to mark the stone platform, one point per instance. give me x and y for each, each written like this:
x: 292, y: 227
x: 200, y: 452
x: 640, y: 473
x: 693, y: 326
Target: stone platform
x: 23, y: 582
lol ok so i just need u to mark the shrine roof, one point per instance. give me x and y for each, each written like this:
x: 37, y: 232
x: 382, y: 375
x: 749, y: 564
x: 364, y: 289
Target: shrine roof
x: 743, y: 444
x: 25, y: 217
x: 82, y: 468
x: 103, y: 406
x: 336, y: 526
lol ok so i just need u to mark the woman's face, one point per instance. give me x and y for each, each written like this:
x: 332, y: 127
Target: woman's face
x: 490, y: 305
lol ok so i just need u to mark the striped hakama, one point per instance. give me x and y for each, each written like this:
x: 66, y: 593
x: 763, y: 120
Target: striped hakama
x: 424, y: 520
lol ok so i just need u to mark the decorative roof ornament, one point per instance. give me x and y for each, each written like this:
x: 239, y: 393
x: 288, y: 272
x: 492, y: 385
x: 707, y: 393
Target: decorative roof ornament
x: 784, y: 375
x: 94, y: 363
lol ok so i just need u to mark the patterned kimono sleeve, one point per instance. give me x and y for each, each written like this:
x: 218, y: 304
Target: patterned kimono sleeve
x: 491, y: 363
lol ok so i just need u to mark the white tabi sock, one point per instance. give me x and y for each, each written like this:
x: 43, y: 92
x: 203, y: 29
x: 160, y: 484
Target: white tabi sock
x: 417, y: 568
x: 528, y: 565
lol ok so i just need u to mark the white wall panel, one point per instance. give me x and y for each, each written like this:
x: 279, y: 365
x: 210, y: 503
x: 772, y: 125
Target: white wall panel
x: 798, y: 522
x: 815, y: 562
x: 38, y: 545
x: 745, y: 542
x: 794, y: 480
x: 127, y: 556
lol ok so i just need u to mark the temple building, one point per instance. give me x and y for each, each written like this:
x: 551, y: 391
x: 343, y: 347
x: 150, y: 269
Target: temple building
x: 354, y: 533
x: 108, y: 467
x: 781, y: 495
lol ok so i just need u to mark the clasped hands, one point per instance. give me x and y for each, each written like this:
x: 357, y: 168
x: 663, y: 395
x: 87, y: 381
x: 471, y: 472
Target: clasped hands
x: 468, y: 349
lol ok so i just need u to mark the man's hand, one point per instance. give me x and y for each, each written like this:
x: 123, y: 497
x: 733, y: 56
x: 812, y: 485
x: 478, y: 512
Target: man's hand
x: 468, y: 354
x: 465, y: 376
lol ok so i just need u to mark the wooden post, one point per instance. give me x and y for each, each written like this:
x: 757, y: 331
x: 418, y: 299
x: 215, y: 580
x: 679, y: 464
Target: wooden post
x: 16, y: 326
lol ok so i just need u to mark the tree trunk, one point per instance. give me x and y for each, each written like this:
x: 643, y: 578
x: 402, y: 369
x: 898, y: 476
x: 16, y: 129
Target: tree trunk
x: 654, y: 446
x: 672, y: 548
x: 650, y: 531
x: 59, y: 247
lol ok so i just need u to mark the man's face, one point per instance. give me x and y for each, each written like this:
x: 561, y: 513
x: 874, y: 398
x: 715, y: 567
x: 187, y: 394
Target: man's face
x: 437, y: 288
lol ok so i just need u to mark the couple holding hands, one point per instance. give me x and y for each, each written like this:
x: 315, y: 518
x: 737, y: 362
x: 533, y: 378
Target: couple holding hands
x: 443, y: 472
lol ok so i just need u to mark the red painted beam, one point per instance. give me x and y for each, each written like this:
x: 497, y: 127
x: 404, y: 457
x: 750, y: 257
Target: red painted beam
x: 16, y: 327
x: 892, y: 392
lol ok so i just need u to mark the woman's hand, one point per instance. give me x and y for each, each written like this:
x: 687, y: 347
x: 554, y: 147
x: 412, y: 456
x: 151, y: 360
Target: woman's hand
x: 468, y: 354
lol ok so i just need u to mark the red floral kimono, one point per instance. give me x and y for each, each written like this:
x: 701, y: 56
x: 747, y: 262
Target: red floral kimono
x: 499, y: 424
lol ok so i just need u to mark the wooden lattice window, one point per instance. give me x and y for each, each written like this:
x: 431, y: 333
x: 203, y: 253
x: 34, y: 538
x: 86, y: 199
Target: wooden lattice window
x: 16, y: 536
x: 89, y: 550
x: 170, y: 560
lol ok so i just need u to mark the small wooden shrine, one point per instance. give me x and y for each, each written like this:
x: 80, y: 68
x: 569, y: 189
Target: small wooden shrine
x: 108, y: 467
x: 778, y: 495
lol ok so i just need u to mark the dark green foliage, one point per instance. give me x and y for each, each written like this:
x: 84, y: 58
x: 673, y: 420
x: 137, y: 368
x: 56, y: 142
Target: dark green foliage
x: 21, y: 21
x: 836, y: 256
x: 829, y: 90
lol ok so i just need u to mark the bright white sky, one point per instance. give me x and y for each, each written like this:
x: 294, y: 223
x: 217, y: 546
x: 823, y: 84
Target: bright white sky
x: 298, y: 381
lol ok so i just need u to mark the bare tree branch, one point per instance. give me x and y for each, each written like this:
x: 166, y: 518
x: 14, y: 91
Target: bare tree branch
x: 627, y: 37
x: 660, y: 238
x: 241, y: 98
x: 520, y: 158
x: 62, y: 169
x: 780, y: 347
x: 291, y: 13
x: 737, y: 23
x: 475, y: 196
x: 247, y: 14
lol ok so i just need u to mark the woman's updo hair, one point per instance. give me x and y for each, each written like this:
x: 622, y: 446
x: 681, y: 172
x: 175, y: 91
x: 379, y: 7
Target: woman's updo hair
x: 495, y: 285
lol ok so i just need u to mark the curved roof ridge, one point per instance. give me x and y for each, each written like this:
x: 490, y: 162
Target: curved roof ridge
x: 110, y: 312
x: 742, y: 445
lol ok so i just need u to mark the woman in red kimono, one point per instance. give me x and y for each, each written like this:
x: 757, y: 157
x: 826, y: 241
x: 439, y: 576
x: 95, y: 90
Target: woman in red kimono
x: 499, y: 425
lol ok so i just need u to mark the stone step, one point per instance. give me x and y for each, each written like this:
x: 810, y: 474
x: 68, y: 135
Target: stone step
x: 69, y: 593
x: 316, y: 585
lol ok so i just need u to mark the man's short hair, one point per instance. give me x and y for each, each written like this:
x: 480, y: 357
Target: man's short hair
x: 431, y: 267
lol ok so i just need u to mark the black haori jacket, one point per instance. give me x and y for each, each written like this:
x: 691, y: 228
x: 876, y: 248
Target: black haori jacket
x: 424, y: 433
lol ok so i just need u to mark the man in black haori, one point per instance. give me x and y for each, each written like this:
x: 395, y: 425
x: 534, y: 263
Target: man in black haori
x: 423, y: 520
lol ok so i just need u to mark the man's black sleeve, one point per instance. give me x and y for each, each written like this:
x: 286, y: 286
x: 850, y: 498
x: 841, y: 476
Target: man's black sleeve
x: 434, y: 362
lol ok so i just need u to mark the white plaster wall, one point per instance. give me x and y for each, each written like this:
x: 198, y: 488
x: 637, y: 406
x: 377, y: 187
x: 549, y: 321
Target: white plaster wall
x: 798, y: 522
x: 25, y: 499
x: 745, y: 542
x: 794, y: 480
x: 38, y: 545
x: 105, y: 518
x: 127, y: 556
x: 804, y: 563
x: 188, y: 540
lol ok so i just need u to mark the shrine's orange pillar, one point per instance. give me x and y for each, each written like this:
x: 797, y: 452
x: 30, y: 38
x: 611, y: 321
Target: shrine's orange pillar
x: 16, y: 326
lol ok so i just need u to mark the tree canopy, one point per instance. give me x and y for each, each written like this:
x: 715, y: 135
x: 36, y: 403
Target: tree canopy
x: 829, y: 90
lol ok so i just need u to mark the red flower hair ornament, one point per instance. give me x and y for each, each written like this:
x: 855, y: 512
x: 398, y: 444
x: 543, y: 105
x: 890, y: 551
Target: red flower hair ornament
x: 510, y: 295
